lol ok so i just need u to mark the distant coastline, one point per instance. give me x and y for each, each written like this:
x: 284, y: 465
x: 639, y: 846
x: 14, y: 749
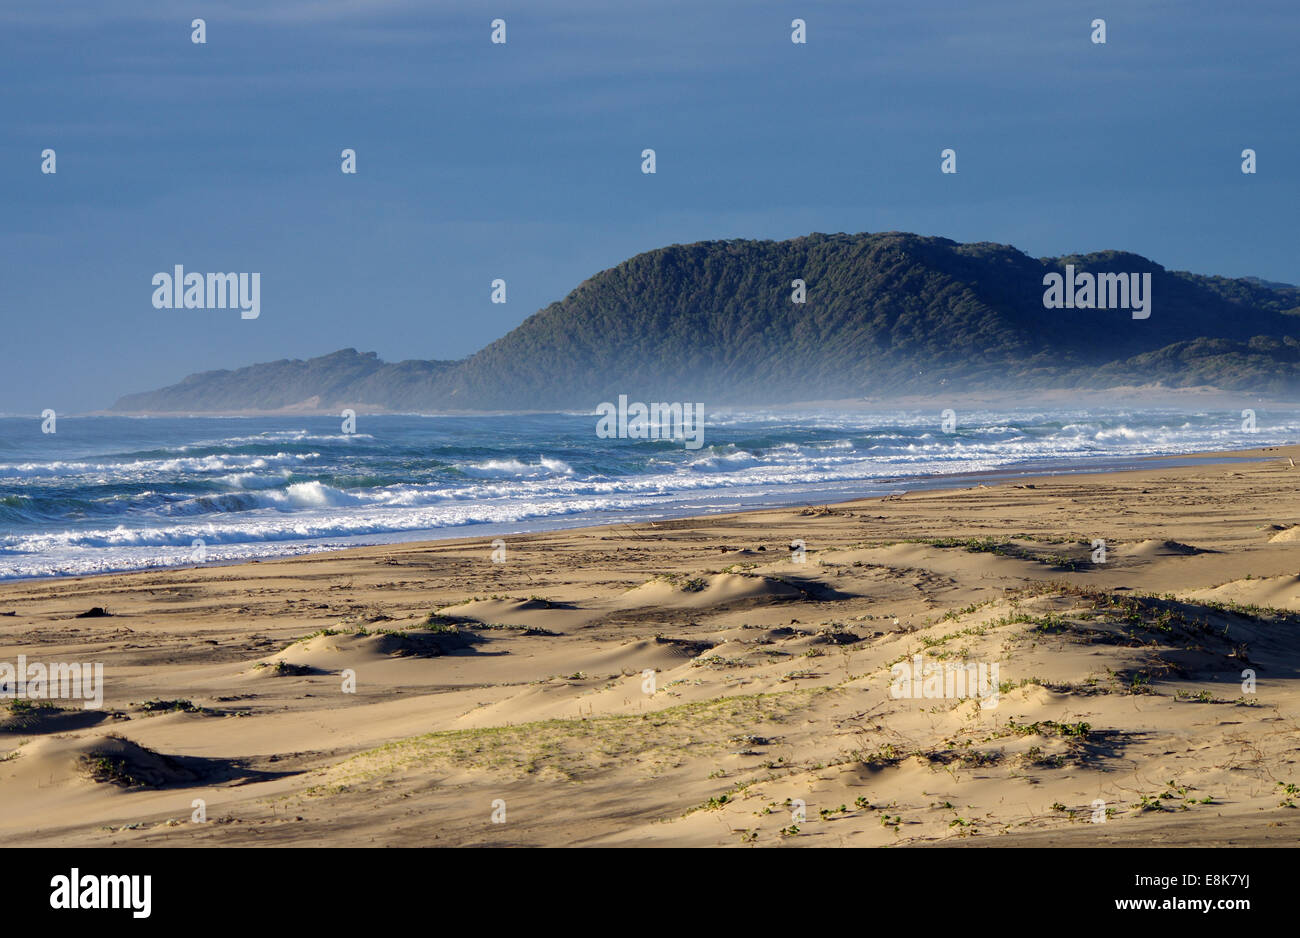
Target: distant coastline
x: 882, y: 316
x: 1140, y: 395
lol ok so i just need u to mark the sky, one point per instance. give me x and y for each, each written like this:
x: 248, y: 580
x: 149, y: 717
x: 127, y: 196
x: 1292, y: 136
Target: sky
x: 522, y: 161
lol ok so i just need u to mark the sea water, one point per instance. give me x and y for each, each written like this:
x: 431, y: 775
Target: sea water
x: 115, y: 493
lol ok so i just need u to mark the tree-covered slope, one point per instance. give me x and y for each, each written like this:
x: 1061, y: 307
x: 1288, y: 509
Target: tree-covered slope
x: 884, y: 313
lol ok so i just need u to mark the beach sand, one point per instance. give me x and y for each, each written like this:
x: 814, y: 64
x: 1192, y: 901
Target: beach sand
x: 692, y: 683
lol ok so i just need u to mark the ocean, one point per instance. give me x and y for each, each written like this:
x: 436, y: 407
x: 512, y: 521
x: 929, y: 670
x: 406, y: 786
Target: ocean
x: 116, y: 493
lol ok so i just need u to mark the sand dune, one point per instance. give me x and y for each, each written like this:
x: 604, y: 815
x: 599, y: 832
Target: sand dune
x: 699, y: 682
x: 700, y: 592
x: 1279, y: 592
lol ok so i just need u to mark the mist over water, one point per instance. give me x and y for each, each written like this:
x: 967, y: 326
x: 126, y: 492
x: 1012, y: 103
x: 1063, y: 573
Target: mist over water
x: 110, y: 493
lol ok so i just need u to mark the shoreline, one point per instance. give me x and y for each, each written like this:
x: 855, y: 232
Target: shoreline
x: 1148, y: 395
x: 696, y: 676
x: 932, y: 482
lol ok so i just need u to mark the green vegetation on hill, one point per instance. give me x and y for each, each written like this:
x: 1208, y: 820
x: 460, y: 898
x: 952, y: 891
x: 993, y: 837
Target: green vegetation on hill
x: 889, y: 313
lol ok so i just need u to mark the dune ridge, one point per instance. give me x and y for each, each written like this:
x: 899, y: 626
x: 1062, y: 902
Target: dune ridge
x: 728, y: 680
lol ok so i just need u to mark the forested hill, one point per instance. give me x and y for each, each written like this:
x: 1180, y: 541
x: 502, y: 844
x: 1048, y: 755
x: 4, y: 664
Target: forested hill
x: 884, y: 314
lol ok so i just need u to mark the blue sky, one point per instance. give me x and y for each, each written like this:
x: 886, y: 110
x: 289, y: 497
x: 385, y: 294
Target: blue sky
x: 522, y: 161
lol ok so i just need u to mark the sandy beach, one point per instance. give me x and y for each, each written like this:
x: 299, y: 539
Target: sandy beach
x: 700, y: 682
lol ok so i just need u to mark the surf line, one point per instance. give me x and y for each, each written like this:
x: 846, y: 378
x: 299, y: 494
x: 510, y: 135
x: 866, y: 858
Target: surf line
x: 657, y: 421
